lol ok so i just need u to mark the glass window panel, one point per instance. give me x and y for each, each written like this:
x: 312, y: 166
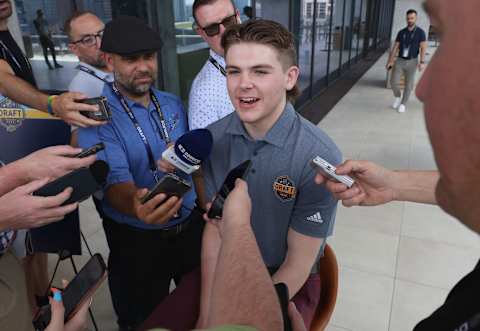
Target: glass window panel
x: 347, y: 32
x: 356, y: 28
x: 276, y: 10
x: 363, y: 26
x: 305, y: 43
x: 336, y: 35
x: 322, y: 35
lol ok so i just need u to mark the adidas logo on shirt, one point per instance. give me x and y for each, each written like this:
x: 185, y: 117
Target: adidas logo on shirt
x: 315, y: 218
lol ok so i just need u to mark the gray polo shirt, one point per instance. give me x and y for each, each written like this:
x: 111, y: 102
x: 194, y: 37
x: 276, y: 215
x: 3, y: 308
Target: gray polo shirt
x: 281, y: 180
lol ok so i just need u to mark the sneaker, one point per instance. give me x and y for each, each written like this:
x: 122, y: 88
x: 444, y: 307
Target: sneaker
x: 397, y: 103
x: 402, y: 109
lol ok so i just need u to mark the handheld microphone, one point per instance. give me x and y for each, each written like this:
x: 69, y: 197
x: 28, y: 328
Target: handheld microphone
x: 190, y: 150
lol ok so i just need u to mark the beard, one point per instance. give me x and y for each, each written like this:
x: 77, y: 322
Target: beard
x: 129, y: 84
x: 99, y: 63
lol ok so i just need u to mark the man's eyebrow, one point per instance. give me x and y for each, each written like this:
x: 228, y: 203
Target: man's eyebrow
x: 262, y: 66
x: 258, y: 66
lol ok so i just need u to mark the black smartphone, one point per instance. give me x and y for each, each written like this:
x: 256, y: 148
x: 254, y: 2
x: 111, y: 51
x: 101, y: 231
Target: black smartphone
x: 82, y: 286
x: 83, y: 181
x: 240, y: 171
x: 171, y: 185
x: 284, y: 298
x: 102, y: 114
x: 90, y: 151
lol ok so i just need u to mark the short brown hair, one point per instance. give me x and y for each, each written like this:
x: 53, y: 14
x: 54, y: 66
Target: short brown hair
x: 67, y: 26
x: 268, y: 33
x: 199, y: 3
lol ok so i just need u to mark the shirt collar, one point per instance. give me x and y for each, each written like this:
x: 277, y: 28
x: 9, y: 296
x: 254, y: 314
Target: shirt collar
x: 218, y: 58
x: 277, y: 135
x: 100, y: 73
x: 151, y: 106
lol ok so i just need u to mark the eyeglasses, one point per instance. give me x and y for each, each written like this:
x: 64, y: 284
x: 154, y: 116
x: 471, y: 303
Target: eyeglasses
x: 89, y: 39
x: 214, y: 29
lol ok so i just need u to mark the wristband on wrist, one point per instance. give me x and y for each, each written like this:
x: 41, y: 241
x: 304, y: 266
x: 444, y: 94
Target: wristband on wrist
x: 49, y: 104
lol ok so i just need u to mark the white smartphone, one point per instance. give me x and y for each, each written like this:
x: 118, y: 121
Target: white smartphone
x: 329, y: 170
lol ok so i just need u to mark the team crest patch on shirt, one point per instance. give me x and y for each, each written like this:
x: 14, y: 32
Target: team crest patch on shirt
x: 284, y: 188
x: 173, y: 121
x: 11, y: 114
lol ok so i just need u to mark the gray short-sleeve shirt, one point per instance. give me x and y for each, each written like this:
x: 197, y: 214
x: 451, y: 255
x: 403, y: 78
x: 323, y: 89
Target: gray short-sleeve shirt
x: 281, y: 179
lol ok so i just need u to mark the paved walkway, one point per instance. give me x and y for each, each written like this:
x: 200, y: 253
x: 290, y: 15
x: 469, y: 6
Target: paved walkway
x: 397, y: 261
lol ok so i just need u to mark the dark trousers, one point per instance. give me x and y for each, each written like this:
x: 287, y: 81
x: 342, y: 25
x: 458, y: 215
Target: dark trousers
x: 47, y: 44
x: 142, y: 264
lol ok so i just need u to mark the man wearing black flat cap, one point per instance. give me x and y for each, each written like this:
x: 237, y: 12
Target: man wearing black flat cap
x: 152, y: 243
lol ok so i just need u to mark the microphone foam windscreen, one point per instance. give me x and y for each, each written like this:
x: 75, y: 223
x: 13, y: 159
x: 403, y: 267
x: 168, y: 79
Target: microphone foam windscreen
x: 194, y: 146
x: 99, y: 170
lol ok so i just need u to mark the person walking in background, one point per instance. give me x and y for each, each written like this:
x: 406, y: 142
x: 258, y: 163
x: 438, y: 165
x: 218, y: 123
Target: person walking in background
x: 410, y: 43
x: 45, y: 35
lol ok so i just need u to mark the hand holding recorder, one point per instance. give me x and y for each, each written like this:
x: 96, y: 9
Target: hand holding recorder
x: 374, y: 185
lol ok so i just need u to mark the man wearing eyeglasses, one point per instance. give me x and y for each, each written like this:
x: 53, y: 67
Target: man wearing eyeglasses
x: 209, y: 100
x: 85, y: 31
x: 18, y: 83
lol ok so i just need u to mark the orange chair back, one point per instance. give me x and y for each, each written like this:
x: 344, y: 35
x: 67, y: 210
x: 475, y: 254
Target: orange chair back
x: 328, y: 296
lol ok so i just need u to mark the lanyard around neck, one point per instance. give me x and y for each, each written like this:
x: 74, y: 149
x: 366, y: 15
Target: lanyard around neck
x: 411, y: 36
x: 91, y: 73
x: 218, y: 66
x: 143, y: 137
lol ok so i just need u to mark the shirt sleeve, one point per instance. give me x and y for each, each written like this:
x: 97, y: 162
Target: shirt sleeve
x: 82, y: 85
x: 422, y: 36
x: 399, y: 37
x: 200, y: 113
x: 114, y: 153
x: 315, y: 207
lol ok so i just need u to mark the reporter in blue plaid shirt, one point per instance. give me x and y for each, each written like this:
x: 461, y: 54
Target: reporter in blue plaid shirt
x: 19, y: 209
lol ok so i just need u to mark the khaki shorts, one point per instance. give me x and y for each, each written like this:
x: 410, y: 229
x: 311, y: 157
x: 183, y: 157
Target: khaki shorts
x: 14, y: 308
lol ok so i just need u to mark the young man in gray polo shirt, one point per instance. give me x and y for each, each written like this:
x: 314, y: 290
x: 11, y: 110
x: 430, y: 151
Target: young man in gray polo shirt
x: 291, y: 216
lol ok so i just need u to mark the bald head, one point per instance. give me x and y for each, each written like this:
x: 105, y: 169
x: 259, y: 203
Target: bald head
x: 84, y: 30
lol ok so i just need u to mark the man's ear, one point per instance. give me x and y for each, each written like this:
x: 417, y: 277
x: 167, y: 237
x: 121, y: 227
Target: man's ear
x: 109, y: 61
x: 237, y: 12
x: 291, y: 78
x: 72, y: 48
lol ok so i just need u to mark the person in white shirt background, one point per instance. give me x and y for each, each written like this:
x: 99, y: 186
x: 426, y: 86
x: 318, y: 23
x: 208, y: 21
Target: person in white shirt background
x: 85, y: 31
x: 209, y: 100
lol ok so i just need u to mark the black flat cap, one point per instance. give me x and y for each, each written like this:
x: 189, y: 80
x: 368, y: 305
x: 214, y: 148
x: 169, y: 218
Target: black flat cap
x: 128, y: 35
